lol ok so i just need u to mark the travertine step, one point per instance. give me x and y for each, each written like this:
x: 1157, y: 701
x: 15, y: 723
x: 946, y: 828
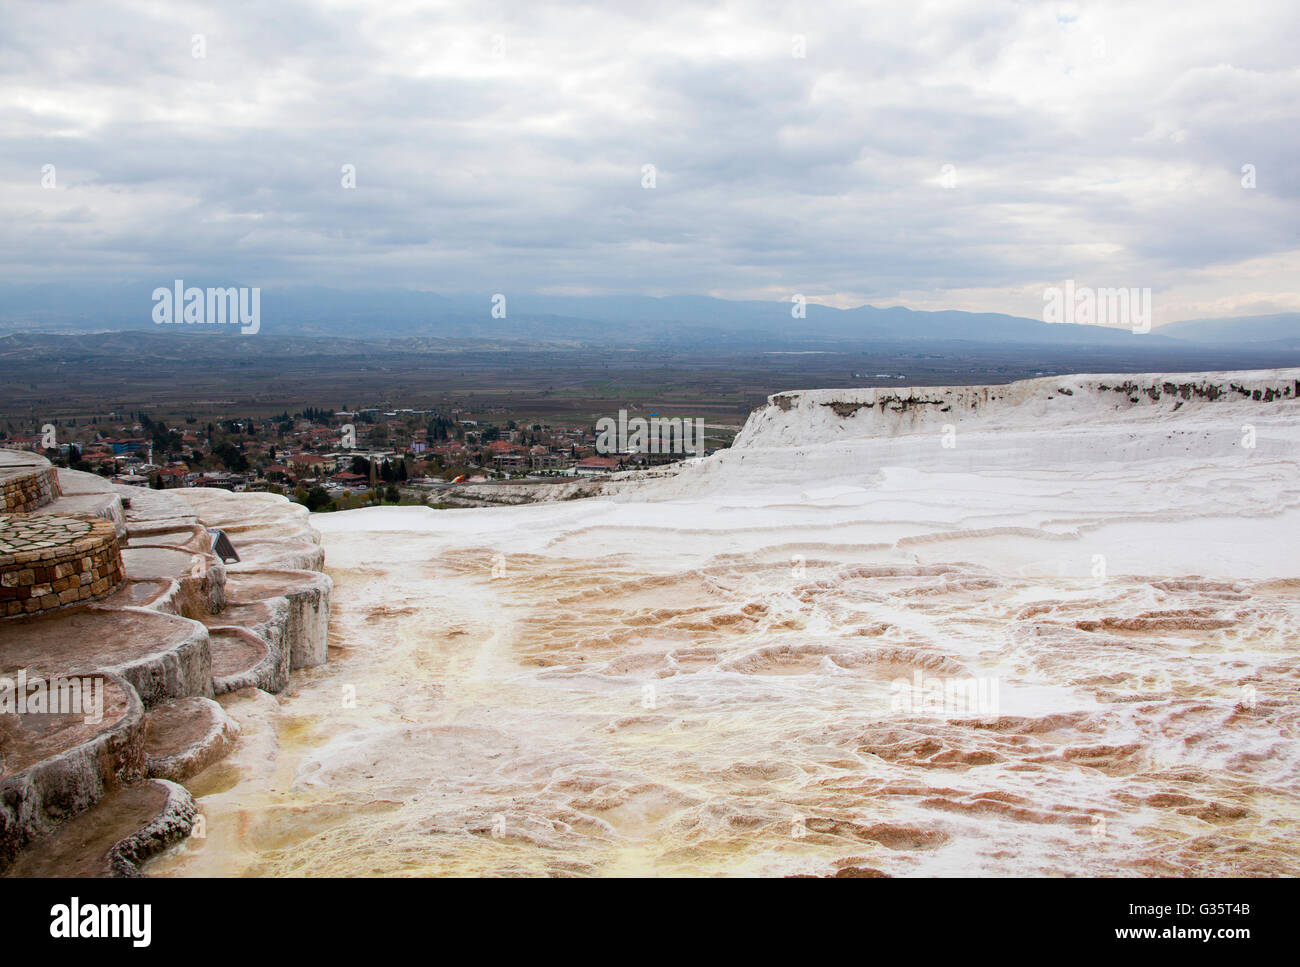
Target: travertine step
x: 156, y: 595
x: 200, y: 578
x: 89, y: 493
x: 193, y: 538
x: 250, y: 516
x: 55, y: 764
x: 257, y: 554
x: 113, y: 838
x: 153, y: 511
x: 271, y: 529
x: 267, y: 530
x: 241, y: 659
x: 185, y: 736
x: 162, y: 656
x: 307, y: 595
x: 154, y: 563
x: 75, y: 482
x: 268, y: 620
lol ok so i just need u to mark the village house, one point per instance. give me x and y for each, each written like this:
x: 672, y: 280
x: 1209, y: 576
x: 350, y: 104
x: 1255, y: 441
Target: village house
x: 309, y: 464
x: 595, y: 466
x: 510, y: 461
x: 544, y: 459
x: 169, y: 477
x: 346, y: 478
x: 127, y: 445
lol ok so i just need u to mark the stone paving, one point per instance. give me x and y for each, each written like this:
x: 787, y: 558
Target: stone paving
x: 26, y: 535
x: 50, y: 561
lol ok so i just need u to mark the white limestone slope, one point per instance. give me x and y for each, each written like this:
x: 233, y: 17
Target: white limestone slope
x: 791, y: 419
x: 1092, y: 421
x: 699, y: 674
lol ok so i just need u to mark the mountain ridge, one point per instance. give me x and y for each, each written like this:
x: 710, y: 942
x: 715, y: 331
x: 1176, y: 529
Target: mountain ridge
x: 632, y: 320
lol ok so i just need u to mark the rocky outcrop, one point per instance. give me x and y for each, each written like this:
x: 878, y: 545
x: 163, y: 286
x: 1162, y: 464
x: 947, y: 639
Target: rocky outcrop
x: 178, y: 628
x: 823, y: 416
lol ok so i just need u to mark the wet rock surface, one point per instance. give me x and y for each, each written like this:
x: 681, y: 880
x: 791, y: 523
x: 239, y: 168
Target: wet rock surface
x: 185, y: 736
x: 115, y: 836
x: 75, y: 799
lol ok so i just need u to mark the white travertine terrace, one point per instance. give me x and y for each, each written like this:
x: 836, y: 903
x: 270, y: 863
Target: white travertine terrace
x: 699, y: 673
x: 163, y: 643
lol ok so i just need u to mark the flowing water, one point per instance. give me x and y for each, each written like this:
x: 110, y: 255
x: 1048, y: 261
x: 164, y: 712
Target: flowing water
x: 739, y: 686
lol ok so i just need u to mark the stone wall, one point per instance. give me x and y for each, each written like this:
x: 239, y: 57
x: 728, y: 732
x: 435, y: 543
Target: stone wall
x: 25, y: 491
x: 50, y: 562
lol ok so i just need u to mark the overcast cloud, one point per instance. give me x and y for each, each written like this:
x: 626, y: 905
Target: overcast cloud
x: 499, y: 147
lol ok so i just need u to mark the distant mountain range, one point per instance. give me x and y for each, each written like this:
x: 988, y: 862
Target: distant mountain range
x: 679, y: 321
x: 1282, y: 329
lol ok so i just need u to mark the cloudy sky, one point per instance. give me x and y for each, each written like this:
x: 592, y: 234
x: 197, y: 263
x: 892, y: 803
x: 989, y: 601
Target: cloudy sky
x: 929, y: 154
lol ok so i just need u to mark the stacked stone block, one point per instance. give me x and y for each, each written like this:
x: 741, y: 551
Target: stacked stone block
x: 52, y: 562
x: 27, y: 490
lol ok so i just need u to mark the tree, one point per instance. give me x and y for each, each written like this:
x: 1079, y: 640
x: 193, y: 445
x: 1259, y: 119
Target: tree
x: 230, y: 457
x: 317, y: 499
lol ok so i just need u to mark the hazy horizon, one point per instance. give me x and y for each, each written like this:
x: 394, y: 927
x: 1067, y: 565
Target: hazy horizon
x: 460, y: 301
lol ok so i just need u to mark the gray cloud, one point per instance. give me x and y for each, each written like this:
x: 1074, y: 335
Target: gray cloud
x: 500, y: 146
